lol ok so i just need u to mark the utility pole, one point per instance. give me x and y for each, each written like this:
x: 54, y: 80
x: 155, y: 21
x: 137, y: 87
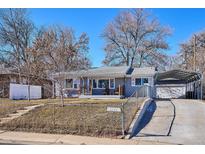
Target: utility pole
x: 194, y: 58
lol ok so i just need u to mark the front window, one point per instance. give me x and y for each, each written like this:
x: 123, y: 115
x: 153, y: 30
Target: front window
x: 144, y: 81
x: 138, y: 81
x: 69, y: 83
x: 112, y: 83
x: 76, y: 83
x: 102, y: 83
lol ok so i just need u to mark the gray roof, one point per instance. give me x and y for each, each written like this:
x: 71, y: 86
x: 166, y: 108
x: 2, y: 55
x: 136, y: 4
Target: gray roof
x: 112, y: 71
x: 71, y: 74
x: 108, y: 72
x: 143, y: 71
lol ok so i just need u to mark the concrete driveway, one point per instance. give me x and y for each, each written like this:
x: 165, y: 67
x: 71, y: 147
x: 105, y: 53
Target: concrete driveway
x: 185, y: 127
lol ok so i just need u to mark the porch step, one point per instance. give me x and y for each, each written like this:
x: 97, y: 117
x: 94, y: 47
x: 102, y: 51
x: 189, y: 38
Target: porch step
x: 101, y: 96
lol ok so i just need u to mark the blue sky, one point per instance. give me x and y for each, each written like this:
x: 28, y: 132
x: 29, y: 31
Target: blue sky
x: 184, y: 22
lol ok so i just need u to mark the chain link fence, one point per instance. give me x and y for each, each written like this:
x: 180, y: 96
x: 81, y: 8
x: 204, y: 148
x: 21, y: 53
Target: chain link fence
x: 132, y: 105
x: 108, y: 118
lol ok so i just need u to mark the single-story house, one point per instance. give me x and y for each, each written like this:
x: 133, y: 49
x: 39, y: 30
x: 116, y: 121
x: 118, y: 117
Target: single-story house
x: 112, y: 80
x: 8, y: 77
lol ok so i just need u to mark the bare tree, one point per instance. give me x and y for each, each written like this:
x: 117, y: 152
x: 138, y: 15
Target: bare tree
x: 16, y: 34
x: 61, y: 51
x: 135, y: 38
x: 192, y: 53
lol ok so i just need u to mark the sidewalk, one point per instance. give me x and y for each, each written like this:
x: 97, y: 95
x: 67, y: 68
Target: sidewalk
x: 18, y: 113
x: 12, y: 137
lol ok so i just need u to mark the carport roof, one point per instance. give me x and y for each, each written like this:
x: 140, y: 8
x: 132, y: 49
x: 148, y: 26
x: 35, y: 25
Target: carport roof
x: 176, y: 76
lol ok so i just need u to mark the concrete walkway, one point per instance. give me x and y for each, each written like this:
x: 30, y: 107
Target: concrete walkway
x: 18, y: 113
x: 11, y: 137
x: 188, y: 126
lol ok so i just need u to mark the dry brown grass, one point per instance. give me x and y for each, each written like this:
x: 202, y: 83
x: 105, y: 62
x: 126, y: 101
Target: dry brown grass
x: 66, y: 101
x: 78, y: 116
x: 91, y: 101
x: 38, y: 101
x: 7, y: 108
x: 91, y: 120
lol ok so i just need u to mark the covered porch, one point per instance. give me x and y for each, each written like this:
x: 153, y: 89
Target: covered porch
x: 100, y: 87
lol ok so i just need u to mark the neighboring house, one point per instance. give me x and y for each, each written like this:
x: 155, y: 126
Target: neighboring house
x: 118, y: 80
x: 8, y: 77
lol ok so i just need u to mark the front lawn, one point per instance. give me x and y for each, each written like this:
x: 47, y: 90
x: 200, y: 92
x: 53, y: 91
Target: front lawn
x: 92, y: 120
x: 78, y: 116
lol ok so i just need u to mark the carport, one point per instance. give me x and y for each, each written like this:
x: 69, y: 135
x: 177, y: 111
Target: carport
x: 189, y: 82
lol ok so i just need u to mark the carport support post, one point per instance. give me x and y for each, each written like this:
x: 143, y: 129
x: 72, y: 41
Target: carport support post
x: 122, y: 120
x: 199, y: 89
x: 201, y: 80
x: 194, y: 89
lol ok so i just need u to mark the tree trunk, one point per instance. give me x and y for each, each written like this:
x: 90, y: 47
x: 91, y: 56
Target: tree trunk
x: 29, y: 89
x: 128, y: 59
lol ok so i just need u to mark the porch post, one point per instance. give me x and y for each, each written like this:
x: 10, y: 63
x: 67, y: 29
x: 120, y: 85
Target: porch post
x: 87, y: 87
x: 91, y: 88
x: 83, y: 86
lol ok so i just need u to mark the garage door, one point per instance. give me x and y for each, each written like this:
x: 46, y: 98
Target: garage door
x: 170, y: 91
